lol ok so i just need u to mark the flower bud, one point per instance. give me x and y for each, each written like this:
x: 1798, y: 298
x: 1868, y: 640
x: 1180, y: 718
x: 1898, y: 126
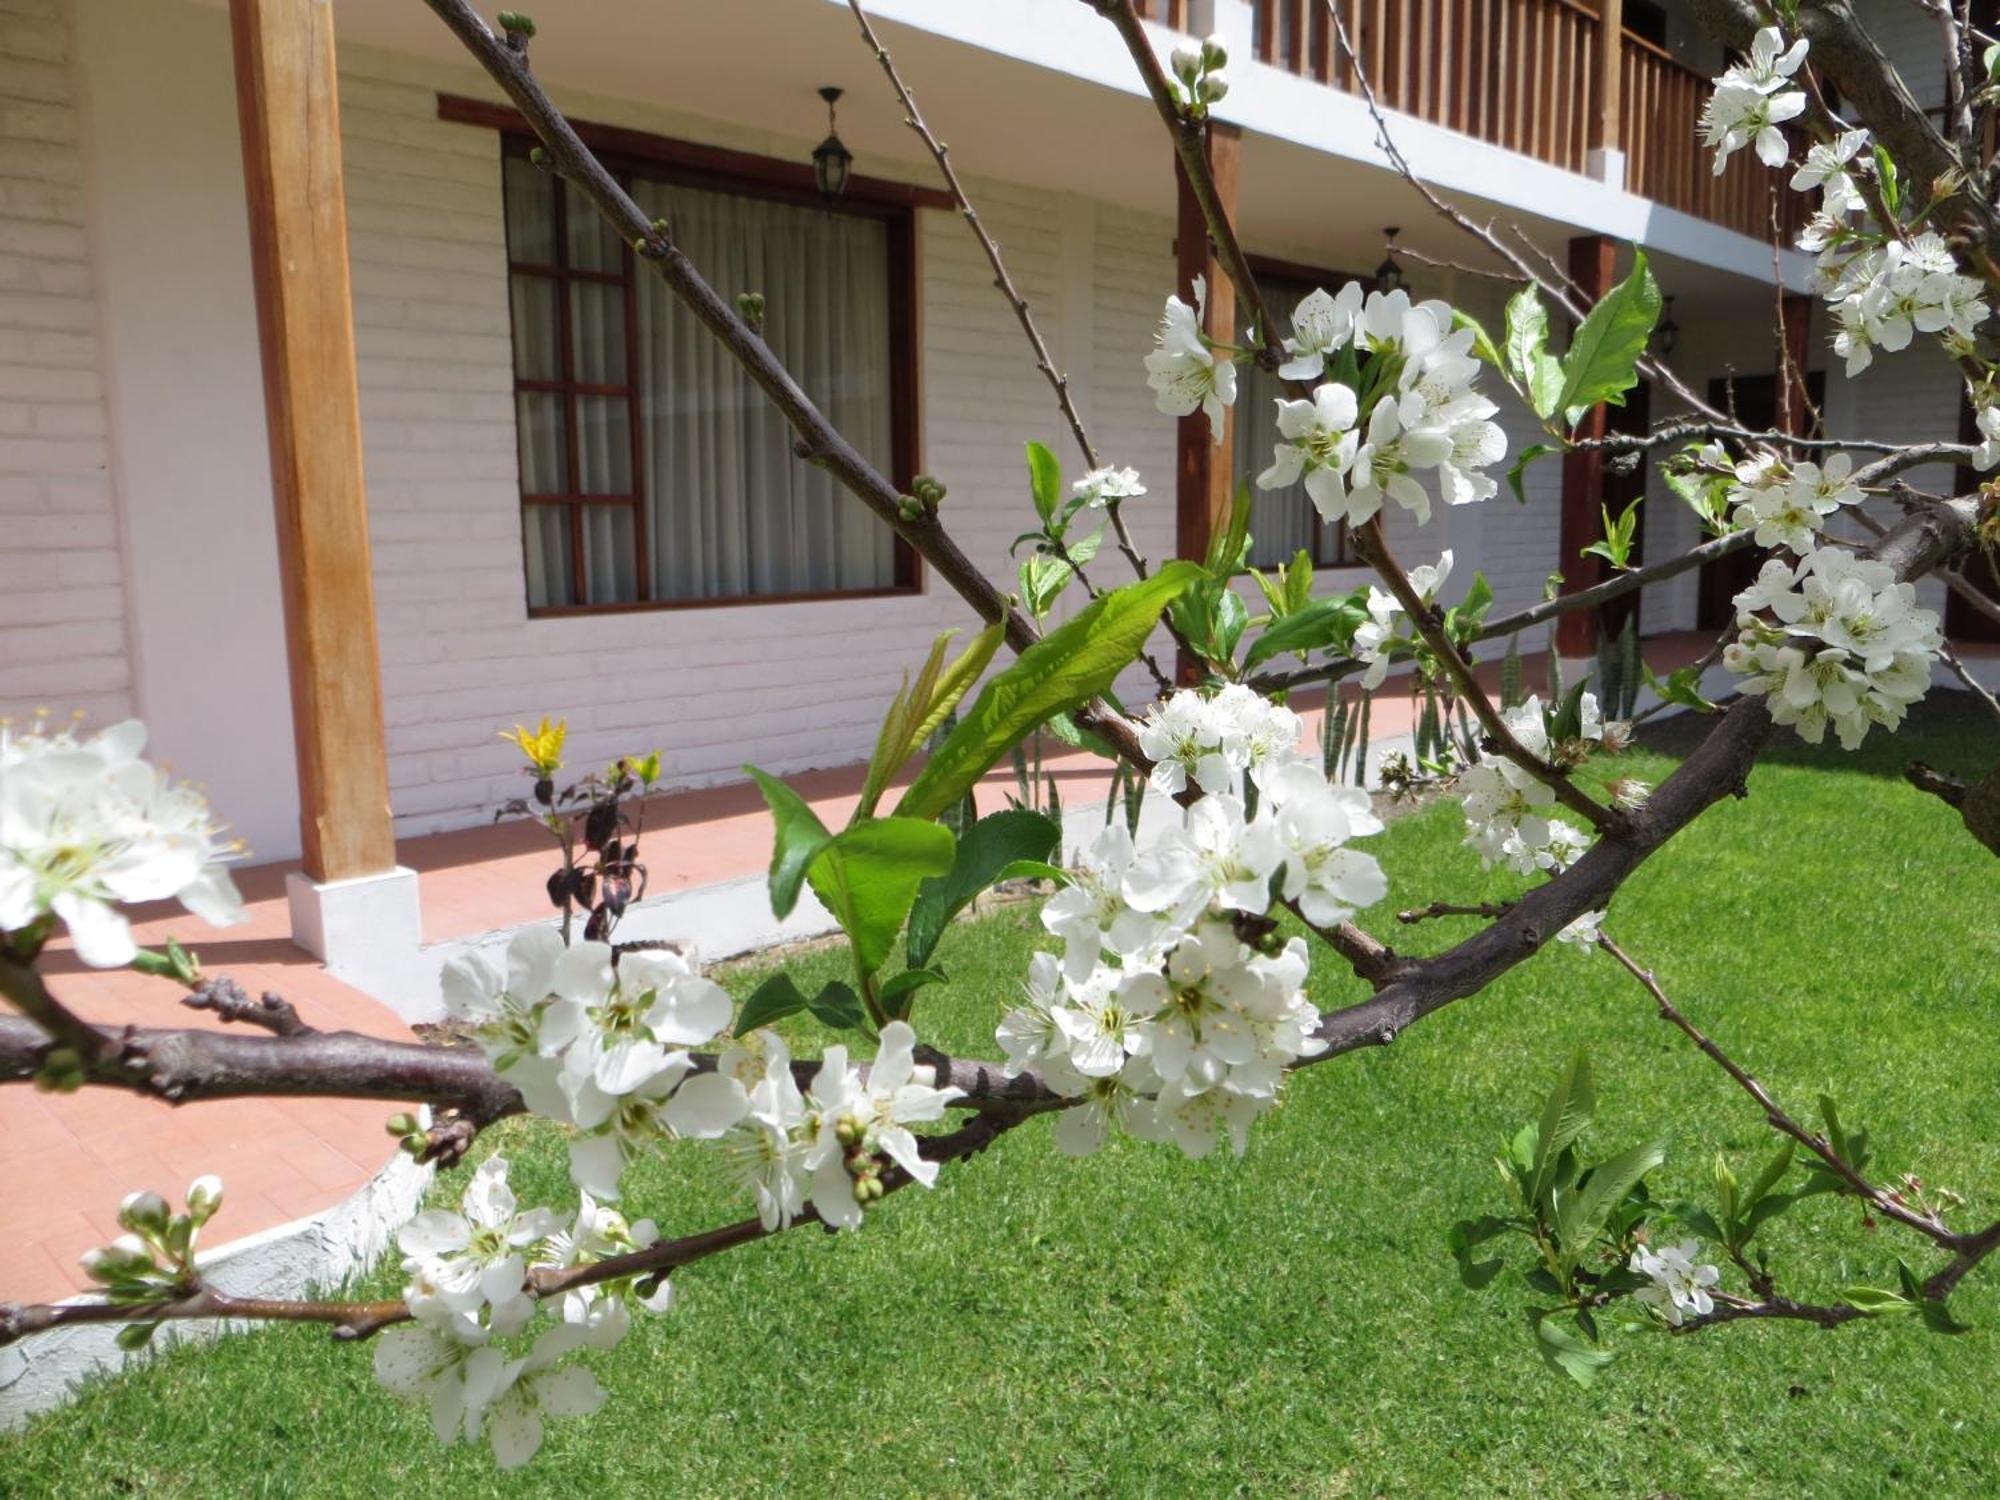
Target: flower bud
x: 143, y: 1213
x: 1214, y: 54
x: 134, y: 1336
x: 204, y: 1197
x: 121, y: 1260
x: 847, y: 1130
x: 400, y: 1124
x: 1186, y: 64
x: 1213, y: 88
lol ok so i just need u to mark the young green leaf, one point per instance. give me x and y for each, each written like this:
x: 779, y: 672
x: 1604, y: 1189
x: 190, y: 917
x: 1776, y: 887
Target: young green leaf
x: 1066, y: 668
x: 1565, y: 1113
x: 991, y: 845
x: 900, y: 992
x: 799, y: 838
x: 1321, y: 624
x: 836, y: 1005
x: 868, y: 876
x: 1602, y: 362
x: 1534, y: 369
x: 1564, y: 1351
x: 1044, y: 481
x: 1517, y: 471
x: 773, y: 1000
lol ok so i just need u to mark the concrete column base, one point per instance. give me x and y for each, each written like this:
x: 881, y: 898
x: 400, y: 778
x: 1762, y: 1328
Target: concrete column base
x: 369, y: 931
x: 1606, y: 165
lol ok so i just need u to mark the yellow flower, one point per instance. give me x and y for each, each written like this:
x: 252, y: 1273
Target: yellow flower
x: 543, y: 745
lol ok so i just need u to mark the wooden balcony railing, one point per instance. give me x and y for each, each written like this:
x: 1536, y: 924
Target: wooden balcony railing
x: 1172, y: 13
x: 1666, y: 162
x: 1526, y: 75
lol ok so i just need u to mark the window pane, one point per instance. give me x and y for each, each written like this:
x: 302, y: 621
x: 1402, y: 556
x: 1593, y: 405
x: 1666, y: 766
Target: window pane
x: 610, y: 554
x: 537, y: 329
x: 531, y: 212
x: 592, y: 245
x: 597, y: 325
x: 538, y: 417
x: 604, y: 445
x: 731, y: 512
x: 545, y: 545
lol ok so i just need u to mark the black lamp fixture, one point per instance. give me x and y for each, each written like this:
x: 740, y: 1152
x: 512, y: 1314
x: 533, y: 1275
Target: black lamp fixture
x: 1667, y: 333
x: 1389, y: 275
x: 830, y: 158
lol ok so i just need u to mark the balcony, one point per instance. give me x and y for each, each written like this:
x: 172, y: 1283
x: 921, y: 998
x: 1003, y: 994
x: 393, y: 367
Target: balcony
x: 1528, y: 76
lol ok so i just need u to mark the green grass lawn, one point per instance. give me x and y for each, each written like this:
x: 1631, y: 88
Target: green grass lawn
x: 1291, y: 1324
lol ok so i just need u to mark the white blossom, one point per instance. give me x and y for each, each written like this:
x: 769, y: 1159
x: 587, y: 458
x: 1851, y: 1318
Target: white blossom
x: 1183, y: 371
x: 1987, y: 453
x: 1828, y: 167
x: 855, y: 1118
x: 1320, y: 443
x: 1739, y: 115
x: 87, y: 826
x: 1322, y: 325
x: 468, y: 1267
x: 1101, y: 486
x: 1680, y: 1286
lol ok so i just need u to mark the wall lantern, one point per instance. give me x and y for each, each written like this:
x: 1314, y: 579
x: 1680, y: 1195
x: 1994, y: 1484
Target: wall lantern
x: 830, y: 158
x: 1668, y: 333
x: 1389, y: 275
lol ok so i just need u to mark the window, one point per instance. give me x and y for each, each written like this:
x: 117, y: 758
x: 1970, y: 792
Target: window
x: 1281, y: 521
x: 653, y: 470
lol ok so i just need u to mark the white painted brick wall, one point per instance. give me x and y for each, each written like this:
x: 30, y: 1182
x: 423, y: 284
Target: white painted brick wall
x: 62, y: 607
x: 787, y: 686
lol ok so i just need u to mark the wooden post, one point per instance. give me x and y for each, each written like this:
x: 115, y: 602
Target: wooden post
x: 287, y: 102
x: 1203, y: 468
x: 1794, y: 414
x: 1609, y: 133
x: 1592, y: 266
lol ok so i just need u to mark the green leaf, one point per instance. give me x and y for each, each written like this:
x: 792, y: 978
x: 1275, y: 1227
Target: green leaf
x: 1876, y: 1300
x: 1044, y: 481
x: 988, y: 848
x: 1602, y: 362
x: 1565, y: 1113
x: 1885, y: 173
x: 1583, y: 1212
x: 1482, y: 341
x: 1227, y: 547
x: 1066, y: 668
x: 957, y: 679
x: 773, y: 1000
x: 900, y: 993
x: 1773, y: 1173
x: 799, y: 838
x: 1564, y: 1351
x: 1321, y: 624
x: 1701, y: 1221
x: 1520, y: 467
x: 1528, y: 359
x: 836, y: 1005
x: 868, y: 877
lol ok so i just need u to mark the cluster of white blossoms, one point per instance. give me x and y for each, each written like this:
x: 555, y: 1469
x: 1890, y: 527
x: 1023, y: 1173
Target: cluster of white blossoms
x: 1160, y: 1016
x: 87, y: 824
x: 1883, y: 288
x: 1786, y: 505
x: 1846, y: 644
x: 601, y: 1045
x: 1213, y: 742
x: 1679, y: 1285
x: 1100, y: 487
x: 1429, y: 419
x: 1883, y: 297
x: 1752, y: 99
x: 1508, y: 810
x: 1374, y: 635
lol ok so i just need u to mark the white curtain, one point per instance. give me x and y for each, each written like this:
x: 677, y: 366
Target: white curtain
x: 729, y: 510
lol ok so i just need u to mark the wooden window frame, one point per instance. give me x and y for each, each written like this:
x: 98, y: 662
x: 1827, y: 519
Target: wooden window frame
x: 1340, y: 554
x: 630, y: 154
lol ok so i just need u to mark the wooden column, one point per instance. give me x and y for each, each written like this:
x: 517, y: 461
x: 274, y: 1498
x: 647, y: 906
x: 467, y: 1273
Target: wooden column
x: 1593, y: 267
x: 1794, y: 414
x: 1609, y: 132
x: 289, y: 112
x: 1204, y: 466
